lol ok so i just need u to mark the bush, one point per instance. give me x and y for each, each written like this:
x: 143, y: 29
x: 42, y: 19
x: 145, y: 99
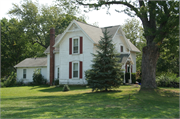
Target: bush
x: 168, y: 80
x: 38, y: 79
x: 133, y: 77
x: 3, y: 79
x: 9, y: 81
x: 2, y: 85
x: 20, y: 82
x: 66, y: 88
x: 56, y: 81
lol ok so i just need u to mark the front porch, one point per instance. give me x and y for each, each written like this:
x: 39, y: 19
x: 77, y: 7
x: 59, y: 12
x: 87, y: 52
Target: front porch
x: 128, y: 69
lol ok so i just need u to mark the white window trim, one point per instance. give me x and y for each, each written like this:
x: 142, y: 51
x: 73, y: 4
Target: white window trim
x: 25, y: 73
x: 73, y: 45
x: 73, y: 68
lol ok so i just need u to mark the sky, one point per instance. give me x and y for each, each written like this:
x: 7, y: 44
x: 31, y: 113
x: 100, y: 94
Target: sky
x: 100, y: 17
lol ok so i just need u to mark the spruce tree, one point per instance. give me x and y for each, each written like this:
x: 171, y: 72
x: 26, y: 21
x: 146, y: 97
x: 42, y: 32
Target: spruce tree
x: 106, y: 71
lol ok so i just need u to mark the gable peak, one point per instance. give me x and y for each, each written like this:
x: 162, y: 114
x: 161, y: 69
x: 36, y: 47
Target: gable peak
x: 86, y: 24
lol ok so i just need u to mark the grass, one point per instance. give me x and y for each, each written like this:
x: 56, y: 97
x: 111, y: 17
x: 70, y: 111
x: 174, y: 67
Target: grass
x: 80, y: 102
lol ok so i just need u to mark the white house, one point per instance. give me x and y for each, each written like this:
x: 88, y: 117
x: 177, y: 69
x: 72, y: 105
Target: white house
x: 69, y: 54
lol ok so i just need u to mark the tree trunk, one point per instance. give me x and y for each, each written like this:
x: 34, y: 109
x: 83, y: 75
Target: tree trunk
x: 149, y: 60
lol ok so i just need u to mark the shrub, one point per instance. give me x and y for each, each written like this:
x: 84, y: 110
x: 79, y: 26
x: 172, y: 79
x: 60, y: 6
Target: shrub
x: 66, y: 88
x: 3, y: 79
x: 2, y: 85
x: 38, y: 79
x: 9, y: 81
x: 20, y: 82
x: 168, y: 80
x: 56, y: 81
x: 133, y: 77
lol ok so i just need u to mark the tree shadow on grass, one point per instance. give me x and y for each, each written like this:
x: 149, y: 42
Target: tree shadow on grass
x: 160, y: 92
x: 109, y: 91
x: 60, y: 88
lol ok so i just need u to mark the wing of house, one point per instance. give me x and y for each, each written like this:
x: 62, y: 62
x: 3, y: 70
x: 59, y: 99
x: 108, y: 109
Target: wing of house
x: 69, y: 54
x: 26, y: 68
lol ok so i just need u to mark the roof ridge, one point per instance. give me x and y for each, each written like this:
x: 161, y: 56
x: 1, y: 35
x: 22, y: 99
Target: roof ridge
x: 36, y: 57
x: 110, y: 26
x: 87, y: 24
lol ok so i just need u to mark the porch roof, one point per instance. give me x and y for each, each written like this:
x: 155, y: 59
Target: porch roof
x: 123, y: 58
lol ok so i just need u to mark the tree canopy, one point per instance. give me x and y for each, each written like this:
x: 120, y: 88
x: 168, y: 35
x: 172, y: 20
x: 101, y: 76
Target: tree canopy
x: 38, y: 19
x: 15, y: 46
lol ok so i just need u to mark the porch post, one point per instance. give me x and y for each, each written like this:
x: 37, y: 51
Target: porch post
x: 124, y: 74
x: 130, y: 72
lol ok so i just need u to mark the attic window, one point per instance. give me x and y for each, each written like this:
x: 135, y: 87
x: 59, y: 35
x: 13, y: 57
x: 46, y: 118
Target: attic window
x: 121, y: 48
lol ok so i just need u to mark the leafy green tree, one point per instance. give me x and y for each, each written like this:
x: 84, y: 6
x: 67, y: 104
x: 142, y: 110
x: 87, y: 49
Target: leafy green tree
x: 12, y: 42
x: 106, y: 71
x: 68, y: 7
x: 160, y: 19
x: 37, y: 20
x: 169, y: 58
x: 15, y: 46
x: 134, y: 31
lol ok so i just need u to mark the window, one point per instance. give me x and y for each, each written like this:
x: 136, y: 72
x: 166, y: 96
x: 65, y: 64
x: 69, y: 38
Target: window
x: 121, y: 48
x: 75, y: 70
x: 24, y: 73
x: 58, y: 73
x: 75, y: 45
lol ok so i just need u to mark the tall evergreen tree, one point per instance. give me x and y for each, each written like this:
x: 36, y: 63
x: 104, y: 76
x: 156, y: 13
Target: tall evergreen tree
x: 106, y: 71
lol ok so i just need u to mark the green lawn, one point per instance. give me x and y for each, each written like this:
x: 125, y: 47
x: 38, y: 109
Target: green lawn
x: 80, y: 102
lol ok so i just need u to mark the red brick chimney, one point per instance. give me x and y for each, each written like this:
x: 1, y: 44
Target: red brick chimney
x: 52, y: 41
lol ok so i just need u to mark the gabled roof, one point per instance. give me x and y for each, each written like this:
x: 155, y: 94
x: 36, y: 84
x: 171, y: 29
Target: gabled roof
x: 94, y: 33
x: 33, y: 62
x: 111, y: 29
x: 133, y: 48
